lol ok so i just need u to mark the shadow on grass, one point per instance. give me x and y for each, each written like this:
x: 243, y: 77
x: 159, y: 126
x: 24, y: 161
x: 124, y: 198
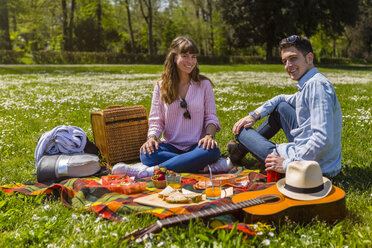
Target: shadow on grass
x: 253, y: 164
x: 354, y: 178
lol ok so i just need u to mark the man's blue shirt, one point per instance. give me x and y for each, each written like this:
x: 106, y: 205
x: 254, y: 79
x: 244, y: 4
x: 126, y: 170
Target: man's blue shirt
x: 319, y: 118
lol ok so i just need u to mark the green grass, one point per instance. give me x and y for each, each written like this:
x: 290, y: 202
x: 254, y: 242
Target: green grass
x: 35, y: 99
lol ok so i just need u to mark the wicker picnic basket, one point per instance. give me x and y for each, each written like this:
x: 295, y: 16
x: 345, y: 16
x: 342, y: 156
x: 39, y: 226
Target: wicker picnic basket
x: 119, y: 132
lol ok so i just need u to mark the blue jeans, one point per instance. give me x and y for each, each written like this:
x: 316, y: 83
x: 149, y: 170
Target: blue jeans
x: 176, y: 160
x: 257, y: 141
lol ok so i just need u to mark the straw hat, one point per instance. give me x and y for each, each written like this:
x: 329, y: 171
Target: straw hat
x: 304, y: 181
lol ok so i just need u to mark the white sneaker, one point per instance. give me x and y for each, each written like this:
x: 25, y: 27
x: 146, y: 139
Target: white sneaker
x: 136, y: 170
x: 221, y: 165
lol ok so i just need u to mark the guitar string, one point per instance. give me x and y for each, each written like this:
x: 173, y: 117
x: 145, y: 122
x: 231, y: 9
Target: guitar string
x: 210, y: 211
x: 203, y: 213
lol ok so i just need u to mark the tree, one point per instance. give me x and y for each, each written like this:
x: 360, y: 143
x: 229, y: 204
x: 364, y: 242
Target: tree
x: 266, y: 22
x: 89, y: 31
x: 5, y: 42
x: 100, y: 41
x: 147, y: 15
x: 205, y: 10
x: 86, y: 35
x: 260, y: 22
x: 36, y: 24
x: 64, y: 25
x: 360, y: 35
x: 130, y: 26
x: 335, y: 15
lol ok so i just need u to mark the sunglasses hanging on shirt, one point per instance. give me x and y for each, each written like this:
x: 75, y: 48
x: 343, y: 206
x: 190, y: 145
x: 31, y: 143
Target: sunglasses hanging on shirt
x: 186, y: 114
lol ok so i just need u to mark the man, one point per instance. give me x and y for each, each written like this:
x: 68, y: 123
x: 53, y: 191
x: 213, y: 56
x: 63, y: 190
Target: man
x: 311, y: 118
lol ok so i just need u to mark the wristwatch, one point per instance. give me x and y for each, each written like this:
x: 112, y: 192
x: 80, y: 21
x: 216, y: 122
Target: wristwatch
x: 212, y: 136
x: 151, y: 136
x: 253, y: 113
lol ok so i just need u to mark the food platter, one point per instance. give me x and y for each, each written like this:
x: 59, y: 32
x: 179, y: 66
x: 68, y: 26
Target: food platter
x: 155, y: 201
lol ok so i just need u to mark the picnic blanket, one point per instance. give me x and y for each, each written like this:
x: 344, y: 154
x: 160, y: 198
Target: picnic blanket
x: 88, y: 194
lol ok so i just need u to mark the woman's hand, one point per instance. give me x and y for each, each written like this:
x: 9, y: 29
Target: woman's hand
x: 208, y: 142
x: 274, y: 163
x: 245, y: 122
x: 148, y: 146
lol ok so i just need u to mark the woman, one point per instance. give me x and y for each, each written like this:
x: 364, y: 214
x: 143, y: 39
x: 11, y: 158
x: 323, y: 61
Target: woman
x: 184, y: 111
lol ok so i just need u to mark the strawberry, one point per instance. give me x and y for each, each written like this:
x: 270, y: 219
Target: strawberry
x: 155, y: 177
x: 161, y: 177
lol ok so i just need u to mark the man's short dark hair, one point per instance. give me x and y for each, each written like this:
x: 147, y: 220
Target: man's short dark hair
x: 302, y: 44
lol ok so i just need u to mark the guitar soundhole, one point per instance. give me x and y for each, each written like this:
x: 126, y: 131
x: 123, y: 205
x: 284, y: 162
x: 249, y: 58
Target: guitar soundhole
x: 277, y: 198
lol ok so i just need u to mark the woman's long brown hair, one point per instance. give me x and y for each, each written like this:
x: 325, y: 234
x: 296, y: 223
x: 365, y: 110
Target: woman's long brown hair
x: 169, y: 77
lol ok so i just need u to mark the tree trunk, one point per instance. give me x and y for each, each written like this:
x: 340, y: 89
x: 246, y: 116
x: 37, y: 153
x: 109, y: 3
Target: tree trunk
x: 64, y: 26
x: 334, y: 46
x: 130, y: 27
x: 100, y: 30
x: 71, y: 26
x: 150, y: 27
x: 269, y: 52
x: 4, y: 26
x: 14, y: 19
x: 210, y: 13
x: 148, y: 19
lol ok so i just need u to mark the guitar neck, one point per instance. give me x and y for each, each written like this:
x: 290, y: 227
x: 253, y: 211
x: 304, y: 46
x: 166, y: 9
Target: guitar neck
x: 208, y: 213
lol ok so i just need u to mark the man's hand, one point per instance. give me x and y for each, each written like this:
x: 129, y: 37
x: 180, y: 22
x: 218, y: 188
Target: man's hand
x: 208, y: 142
x: 245, y: 122
x: 274, y: 163
x: 149, y: 145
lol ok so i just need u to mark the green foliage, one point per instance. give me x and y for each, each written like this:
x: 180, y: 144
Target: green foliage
x: 35, y: 99
x: 169, y: 32
x: 47, y: 57
x: 334, y: 61
x: 87, y: 36
x: 222, y: 28
x: 359, y: 36
x: 10, y: 57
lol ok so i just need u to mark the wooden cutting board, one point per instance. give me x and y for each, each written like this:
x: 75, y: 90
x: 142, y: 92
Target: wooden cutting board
x: 155, y: 201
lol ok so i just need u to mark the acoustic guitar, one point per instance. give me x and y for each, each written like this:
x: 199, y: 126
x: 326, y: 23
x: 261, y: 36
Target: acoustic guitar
x: 330, y: 208
x: 264, y: 205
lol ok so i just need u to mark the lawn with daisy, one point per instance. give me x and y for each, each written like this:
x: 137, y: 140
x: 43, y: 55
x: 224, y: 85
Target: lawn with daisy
x: 35, y: 99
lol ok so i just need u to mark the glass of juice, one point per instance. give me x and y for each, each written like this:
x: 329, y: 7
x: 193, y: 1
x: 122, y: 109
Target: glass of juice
x: 173, y: 180
x: 213, y: 192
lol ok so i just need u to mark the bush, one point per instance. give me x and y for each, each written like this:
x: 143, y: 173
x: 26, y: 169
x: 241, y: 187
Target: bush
x: 10, y: 57
x: 247, y: 60
x: 47, y: 57
x: 334, y: 61
x: 213, y: 60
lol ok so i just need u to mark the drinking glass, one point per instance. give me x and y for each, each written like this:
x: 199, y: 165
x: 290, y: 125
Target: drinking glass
x: 213, y: 192
x: 173, y: 180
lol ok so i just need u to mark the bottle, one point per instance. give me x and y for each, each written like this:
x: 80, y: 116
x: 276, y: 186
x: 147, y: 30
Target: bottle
x: 273, y: 176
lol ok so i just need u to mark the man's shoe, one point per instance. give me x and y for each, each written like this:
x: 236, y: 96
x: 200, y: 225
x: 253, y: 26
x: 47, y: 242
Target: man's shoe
x: 136, y: 170
x: 234, y: 152
x: 221, y: 165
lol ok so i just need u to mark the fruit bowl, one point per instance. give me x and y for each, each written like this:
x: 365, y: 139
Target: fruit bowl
x: 160, y: 184
x: 159, y: 177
